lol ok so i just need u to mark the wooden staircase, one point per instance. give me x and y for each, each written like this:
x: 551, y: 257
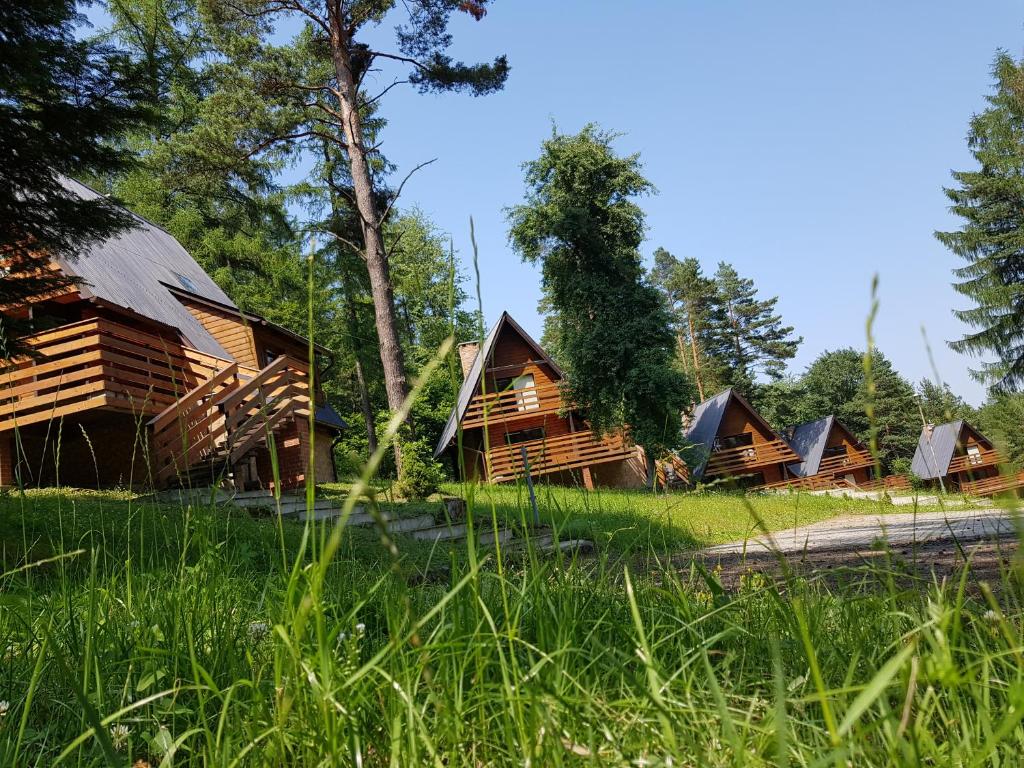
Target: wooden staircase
x: 223, y: 419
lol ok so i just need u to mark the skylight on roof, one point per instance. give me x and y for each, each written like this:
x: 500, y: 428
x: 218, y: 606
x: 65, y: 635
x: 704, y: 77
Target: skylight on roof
x: 186, y: 283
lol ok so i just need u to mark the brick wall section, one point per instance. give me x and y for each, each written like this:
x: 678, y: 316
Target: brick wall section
x: 467, y: 354
x: 6, y: 461
x: 292, y: 443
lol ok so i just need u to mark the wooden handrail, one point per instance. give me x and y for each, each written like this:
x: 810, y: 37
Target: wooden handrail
x: 513, y: 403
x: 275, y: 366
x: 204, y: 390
x: 555, y: 454
x: 966, y: 462
x: 748, y: 457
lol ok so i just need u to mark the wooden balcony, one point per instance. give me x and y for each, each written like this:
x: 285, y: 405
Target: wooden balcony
x: 848, y: 462
x: 990, y: 486
x: 967, y: 462
x: 98, y: 364
x: 498, y: 407
x: 555, y: 454
x: 748, y: 458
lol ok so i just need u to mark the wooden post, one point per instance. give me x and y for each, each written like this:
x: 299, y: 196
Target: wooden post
x: 529, y: 484
x: 588, y: 480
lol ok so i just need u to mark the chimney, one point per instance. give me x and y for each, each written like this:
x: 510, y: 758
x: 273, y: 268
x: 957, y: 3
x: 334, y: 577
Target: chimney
x: 467, y: 354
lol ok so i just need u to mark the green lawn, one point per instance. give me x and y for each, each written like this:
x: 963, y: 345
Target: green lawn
x: 201, y: 636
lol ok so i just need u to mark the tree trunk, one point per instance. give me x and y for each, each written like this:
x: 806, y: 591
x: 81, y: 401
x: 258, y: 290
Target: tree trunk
x: 364, y: 392
x: 391, y: 357
x: 693, y: 349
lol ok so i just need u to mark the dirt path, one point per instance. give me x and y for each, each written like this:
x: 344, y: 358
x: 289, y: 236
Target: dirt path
x: 925, y: 545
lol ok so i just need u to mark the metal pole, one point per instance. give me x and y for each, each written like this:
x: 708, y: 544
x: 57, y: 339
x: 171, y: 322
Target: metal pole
x: 529, y: 484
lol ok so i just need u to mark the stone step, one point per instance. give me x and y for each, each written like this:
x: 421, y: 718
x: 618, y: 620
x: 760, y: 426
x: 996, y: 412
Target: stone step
x: 458, y: 532
x: 545, y: 543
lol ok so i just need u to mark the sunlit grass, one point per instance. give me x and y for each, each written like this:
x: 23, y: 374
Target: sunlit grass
x: 189, y: 634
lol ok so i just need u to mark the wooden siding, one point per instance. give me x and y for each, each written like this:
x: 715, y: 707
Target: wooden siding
x: 228, y: 330
x: 767, y: 455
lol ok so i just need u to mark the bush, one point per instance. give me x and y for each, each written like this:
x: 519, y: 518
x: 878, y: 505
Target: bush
x: 421, y: 475
x: 902, y: 466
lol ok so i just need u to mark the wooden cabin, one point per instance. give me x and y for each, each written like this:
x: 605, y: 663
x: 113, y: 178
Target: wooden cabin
x: 832, y: 457
x: 739, y: 447
x: 963, y: 459
x: 510, y: 399
x: 146, y: 374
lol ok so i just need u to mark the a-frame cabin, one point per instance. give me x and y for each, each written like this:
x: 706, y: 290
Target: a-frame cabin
x: 963, y: 458
x: 510, y: 399
x: 831, y: 456
x: 147, y: 374
x: 739, y: 446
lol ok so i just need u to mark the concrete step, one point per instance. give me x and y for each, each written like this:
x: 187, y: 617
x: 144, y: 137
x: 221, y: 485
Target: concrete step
x: 545, y: 543
x: 439, y: 533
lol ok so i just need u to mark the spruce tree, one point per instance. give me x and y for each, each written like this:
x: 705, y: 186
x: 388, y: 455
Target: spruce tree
x: 749, y: 337
x: 65, y: 105
x: 990, y: 200
x: 581, y: 223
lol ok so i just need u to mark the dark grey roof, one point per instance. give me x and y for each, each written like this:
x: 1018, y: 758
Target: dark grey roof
x: 935, y: 451
x: 707, y: 417
x: 128, y: 270
x: 809, y: 441
x: 326, y: 415
x: 469, y: 384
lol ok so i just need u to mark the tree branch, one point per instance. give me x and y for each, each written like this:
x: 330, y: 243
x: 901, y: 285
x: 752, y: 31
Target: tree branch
x: 398, y: 192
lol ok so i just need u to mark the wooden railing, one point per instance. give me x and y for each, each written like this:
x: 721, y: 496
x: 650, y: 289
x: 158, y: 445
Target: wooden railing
x: 746, y: 458
x: 512, y: 403
x: 98, y: 363
x: 887, y: 483
x: 228, y: 415
x: 845, y: 462
x: 989, y: 486
x: 577, y: 449
x: 966, y: 462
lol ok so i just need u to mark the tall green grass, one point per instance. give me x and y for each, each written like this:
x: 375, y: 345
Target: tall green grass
x: 184, y: 637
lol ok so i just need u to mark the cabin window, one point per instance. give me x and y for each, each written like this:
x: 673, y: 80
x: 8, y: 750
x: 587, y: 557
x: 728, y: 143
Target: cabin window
x: 524, y: 436
x: 974, y: 454
x: 186, y: 283
x: 527, y: 401
x: 726, y: 442
x: 834, y: 450
x: 270, y: 355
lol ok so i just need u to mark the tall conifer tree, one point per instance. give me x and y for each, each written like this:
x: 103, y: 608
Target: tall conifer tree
x: 990, y: 200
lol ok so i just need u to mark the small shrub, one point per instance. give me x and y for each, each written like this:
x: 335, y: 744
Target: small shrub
x: 421, y: 475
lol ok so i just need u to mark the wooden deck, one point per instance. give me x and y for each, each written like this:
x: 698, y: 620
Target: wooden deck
x: 967, y: 462
x: 200, y: 405
x: 748, y: 458
x: 992, y: 486
x: 98, y: 364
x: 572, y: 451
x: 514, y: 403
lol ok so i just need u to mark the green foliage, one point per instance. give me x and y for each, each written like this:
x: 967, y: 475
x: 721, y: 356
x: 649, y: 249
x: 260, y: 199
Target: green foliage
x: 421, y: 475
x: 750, y: 337
x: 940, y: 404
x: 990, y: 200
x: 725, y: 335
x: 835, y: 384
x: 581, y: 223
x: 65, y: 106
x: 1000, y: 419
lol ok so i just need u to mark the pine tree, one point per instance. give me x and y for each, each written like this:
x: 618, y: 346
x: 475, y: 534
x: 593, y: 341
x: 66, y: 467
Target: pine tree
x: 939, y: 404
x: 65, y: 103
x: 990, y: 200
x: 343, y: 47
x: 749, y: 336
x: 581, y: 223
x: 691, y: 299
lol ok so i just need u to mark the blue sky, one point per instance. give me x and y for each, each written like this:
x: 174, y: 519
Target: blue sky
x: 807, y: 143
